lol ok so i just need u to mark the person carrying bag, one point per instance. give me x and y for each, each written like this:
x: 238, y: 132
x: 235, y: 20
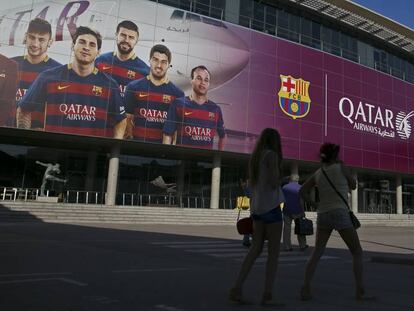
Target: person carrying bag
x: 264, y: 179
x: 334, y: 181
x: 244, y: 225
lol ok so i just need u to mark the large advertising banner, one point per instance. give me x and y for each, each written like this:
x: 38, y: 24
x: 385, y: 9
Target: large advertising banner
x: 189, y: 80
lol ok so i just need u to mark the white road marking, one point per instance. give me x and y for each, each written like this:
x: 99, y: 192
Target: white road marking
x: 168, y: 308
x: 234, y: 250
x: 189, y: 242
x: 74, y: 282
x: 33, y: 274
x: 70, y: 281
x: 196, y: 245
x: 150, y: 270
x: 101, y: 299
x: 216, y: 250
x: 290, y: 259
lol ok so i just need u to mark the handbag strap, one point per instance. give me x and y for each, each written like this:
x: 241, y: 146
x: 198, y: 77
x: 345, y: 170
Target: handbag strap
x: 238, y: 216
x: 334, y: 188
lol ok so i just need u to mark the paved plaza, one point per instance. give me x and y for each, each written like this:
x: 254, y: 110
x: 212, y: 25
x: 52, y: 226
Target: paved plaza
x: 181, y: 268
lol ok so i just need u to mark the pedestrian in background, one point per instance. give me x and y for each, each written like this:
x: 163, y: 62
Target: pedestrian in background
x: 247, y: 193
x: 332, y: 214
x: 292, y: 211
x: 264, y: 178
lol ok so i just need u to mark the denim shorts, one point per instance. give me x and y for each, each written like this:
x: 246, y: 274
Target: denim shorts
x: 274, y: 215
x: 337, y: 219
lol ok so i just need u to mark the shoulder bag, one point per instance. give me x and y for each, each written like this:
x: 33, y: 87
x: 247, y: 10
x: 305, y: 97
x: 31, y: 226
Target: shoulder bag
x: 303, y: 226
x: 244, y: 225
x: 354, y: 219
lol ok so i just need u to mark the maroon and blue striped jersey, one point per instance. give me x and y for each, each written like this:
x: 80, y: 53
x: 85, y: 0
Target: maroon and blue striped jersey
x: 196, y: 125
x: 122, y: 72
x: 28, y: 72
x: 75, y: 104
x: 8, y: 86
x: 149, y: 104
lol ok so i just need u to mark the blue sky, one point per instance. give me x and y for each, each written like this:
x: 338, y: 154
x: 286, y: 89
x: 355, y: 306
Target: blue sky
x: 401, y: 11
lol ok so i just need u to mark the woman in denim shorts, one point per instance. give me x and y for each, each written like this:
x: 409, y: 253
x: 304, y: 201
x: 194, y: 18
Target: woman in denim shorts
x: 264, y: 179
x: 333, y: 214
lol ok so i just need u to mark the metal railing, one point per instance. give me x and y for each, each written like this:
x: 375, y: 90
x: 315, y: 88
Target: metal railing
x: 124, y: 199
x: 373, y: 200
x: 24, y: 194
x: 384, y: 202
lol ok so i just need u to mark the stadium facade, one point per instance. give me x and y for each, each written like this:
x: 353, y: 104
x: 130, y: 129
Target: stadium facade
x: 316, y: 70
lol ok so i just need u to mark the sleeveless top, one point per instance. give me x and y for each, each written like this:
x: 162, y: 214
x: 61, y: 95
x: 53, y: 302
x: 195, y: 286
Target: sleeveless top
x: 264, y: 196
x: 328, y: 198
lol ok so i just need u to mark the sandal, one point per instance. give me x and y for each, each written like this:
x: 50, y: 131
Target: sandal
x: 267, y: 300
x: 305, y: 294
x: 361, y: 296
x: 235, y: 295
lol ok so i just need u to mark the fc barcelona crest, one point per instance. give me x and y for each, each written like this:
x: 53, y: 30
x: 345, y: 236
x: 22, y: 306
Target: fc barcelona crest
x: 97, y: 90
x: 166, y: 98
x: 131, y: 74
x: 294, y: 97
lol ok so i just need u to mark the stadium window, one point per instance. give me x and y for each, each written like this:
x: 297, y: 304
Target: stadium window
x: 174, y: 3
x: 310, y: 33
x: 246, y: 8
x: 217, y: 9
x: 330, y: 40
x: 349, y: 47
x: 381, y: 61
x: 258, y: 16
x: 245, y: 13
x: 396, y: 66
x: 202, y: 7
x: 185, y: 4
x: 270, y: 20
x: 409, y: 72
x: 288, y: 26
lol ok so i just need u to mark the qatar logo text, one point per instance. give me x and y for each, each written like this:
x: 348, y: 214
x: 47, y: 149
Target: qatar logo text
x: 294, y: 97
x: 375, y: 119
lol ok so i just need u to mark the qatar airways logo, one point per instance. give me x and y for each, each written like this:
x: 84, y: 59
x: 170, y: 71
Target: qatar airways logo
x: 75, y: 112
x: 20, y: 93
x: 403, y: 124
x: 153, y: 115
x: 376, y: 120
x: 197, y: 133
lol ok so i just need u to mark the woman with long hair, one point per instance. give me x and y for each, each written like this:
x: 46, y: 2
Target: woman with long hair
x: 333, y: 180
x: 265, y: 178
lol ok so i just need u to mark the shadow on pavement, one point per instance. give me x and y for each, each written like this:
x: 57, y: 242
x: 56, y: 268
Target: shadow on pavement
x: 46, y: 266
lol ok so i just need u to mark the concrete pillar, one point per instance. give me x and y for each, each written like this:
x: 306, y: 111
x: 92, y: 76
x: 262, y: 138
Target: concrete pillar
x: 354, y: 196
x: 215, y: 182
x: 294, y: 168
x: 398, y: 192
x: 90, y: 171
x: 232, y: 11
x: 180, y: 178
x: 113, y: 169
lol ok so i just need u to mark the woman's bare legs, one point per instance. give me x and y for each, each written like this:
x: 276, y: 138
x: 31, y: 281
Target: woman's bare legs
x: 254, y: 251
x: 351, y: 239
x: 322, y: 237
x: 273, y: 233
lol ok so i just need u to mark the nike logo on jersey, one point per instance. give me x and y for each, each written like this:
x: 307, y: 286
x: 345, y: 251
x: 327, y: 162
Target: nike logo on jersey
x: 187, y: 113
x: 106, y: 67
x: 62, y: 87
x: 143, y: 95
